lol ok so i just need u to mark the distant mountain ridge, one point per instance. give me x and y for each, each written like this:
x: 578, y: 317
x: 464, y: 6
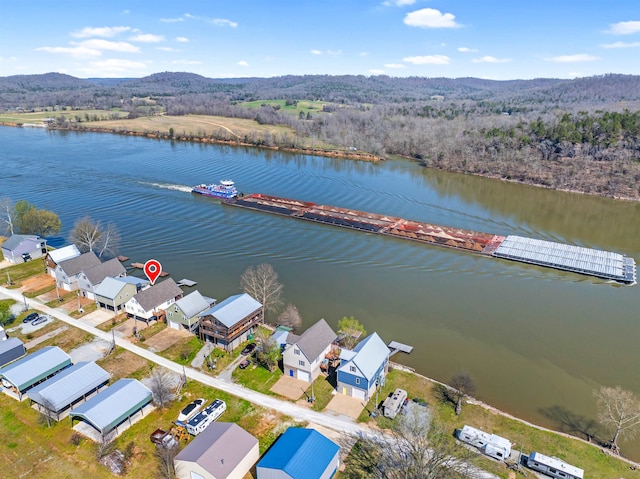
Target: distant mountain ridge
x: 29, y: 91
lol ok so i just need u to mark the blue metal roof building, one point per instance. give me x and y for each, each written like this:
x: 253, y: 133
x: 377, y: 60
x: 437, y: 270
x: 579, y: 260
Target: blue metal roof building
x: 300, y: 454
x: 25, y: 373
x: 117, y: 403
x: 68, y: 386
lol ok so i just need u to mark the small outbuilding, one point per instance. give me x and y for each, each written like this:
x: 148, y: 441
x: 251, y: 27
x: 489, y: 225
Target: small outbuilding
x: 58, y: 394
x: 21, y: 248
x: 113, y: 406
x: 10, y: 348
x: 300, y: 454
x: 222, y: 451
x: 22, y: 375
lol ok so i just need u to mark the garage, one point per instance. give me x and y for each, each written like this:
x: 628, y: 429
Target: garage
x: 358, y: 393
x: 304, y: 375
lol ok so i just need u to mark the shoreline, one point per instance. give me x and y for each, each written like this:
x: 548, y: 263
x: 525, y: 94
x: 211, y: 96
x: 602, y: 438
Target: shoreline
x: 368, y: 157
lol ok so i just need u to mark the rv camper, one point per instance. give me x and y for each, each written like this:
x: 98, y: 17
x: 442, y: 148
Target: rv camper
x: 553, y: 467
x: 490, y: 444
x: 393, y: 404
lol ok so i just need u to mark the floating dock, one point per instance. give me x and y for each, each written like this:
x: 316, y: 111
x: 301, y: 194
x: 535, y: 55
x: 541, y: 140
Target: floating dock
x: 602, y: 264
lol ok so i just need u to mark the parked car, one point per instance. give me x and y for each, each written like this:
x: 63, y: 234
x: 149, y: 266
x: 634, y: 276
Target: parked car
x: 191, y: 409
x: 30, y: 317
x: 248, y: 349
x: 40, y: 320
x: 245, y: 364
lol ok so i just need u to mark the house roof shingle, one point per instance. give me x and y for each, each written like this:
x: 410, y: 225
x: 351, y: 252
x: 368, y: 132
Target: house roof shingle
x: 193, y: 304
x: 84, y: 262
x: 158, y: 294
x: 315, y: 339
x: 98, y: 273
x: 233, y: 309
x: 219, y: 449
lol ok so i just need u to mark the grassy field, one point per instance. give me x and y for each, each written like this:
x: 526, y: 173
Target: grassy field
x: 301, y: 106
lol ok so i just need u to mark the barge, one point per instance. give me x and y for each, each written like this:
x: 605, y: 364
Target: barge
x: 592, y: 262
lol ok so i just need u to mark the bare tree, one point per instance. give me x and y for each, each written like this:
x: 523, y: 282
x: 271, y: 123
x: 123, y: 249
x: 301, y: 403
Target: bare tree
x: 416, y: 448
x: 165, y: 456
x: 90, y: 235
x: 161, y: 385
x: 262, y: 283
x: 6, y: 215
x: 619, y: 410
x: 463, y: 386
x: 290, y: 317
x: 46, y: 410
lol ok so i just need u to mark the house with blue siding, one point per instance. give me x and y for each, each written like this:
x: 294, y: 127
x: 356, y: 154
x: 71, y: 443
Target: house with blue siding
x: 362, y: 370
x: 21, y: 248
x: 300, y: 454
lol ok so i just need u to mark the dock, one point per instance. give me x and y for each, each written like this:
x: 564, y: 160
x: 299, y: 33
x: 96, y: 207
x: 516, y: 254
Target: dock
x: 576, y: 259
x: 397, y: 347
x: 186, y: 282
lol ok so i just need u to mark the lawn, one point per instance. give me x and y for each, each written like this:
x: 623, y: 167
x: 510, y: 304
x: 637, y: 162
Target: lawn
x: 322, y: 391
x: 184, y: 351
x: 573, y: 451
x: 304, y: 106
x: 21, y: 271
x: 257, y: 378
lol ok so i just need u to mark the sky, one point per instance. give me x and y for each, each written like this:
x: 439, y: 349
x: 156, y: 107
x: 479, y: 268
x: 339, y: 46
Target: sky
x: 493, y: 39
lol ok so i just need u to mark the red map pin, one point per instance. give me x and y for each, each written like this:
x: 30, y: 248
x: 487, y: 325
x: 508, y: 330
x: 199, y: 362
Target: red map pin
x: 152, y: 269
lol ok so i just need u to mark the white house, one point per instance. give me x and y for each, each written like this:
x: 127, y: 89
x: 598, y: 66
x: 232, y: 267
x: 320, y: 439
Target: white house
x: 302, y: 357
x: 68, y: 271
x: 58, y: 256
x: 153, y: 301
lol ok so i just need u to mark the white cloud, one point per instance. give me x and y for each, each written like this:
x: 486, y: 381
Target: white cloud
x: 182, y: 39
x: 106, y: 32
x: 466, y: 49
x: 223, y: 22
x: 430, y: 18
x: 112, y: 67
x: 395, y: 65
x: 580, y: 57
x: 167, y: 49
x: 100, y: 44
x: 316, y: 52
x: 147, y: 38
x: 398, y: 3
x: 624, y: 28
x: 75, y: 52
x: 243, y: 63
x: 334, y: 52
x: 376, y: 72
x: 490, y: 59
x: 172, y: 20
x: 428, y: 60
x: 621, y: 45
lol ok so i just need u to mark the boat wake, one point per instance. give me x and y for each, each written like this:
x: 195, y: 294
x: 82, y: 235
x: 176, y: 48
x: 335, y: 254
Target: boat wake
x: 169, y: 186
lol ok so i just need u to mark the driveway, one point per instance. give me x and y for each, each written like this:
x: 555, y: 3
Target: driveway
x: 289, y: 387
x: 97, y: 317
x: 346, y: 405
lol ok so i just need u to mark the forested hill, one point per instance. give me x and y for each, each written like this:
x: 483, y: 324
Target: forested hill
x: 32, y: 91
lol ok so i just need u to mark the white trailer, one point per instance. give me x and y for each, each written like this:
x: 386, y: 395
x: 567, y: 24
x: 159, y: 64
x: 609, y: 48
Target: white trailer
x: 553, y: 467
x: 393, y: 404
x: 213, y: 411
x: 490, y: 444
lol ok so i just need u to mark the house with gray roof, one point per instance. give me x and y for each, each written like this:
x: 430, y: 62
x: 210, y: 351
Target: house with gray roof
x: 10, y: 348
x: 59, y: 255
x: 58, y: 394
x: 302, y: 356
x: 90, y: 278
x: 20, y: 376
x: 68, y: 271
x: 114, y: 406
x: 151, y: 303
x: 185, y: 313
x: 21, y: 248
x: 230, y: 322
x: 222, y: 451
x: 362, y: 370
x: 112, y: 293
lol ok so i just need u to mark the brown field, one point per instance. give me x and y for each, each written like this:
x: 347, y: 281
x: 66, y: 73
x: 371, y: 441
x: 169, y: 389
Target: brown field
x: 122, y: 364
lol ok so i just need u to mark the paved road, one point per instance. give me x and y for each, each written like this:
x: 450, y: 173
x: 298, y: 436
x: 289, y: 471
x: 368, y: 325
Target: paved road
x: 340, y: 424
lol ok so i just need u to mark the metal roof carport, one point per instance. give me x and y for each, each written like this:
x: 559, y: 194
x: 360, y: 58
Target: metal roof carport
x: 65, y: 388
x: 107, y: 410
x: 31, y: 370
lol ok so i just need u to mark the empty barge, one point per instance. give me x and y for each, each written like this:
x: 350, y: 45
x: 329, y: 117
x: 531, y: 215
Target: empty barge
x: 602, y: 264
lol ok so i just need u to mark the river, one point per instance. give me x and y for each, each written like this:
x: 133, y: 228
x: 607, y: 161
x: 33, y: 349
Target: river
x: 536, y: 341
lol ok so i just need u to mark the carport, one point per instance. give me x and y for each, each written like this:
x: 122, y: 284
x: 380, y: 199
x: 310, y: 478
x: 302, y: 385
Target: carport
x: 25, y: 373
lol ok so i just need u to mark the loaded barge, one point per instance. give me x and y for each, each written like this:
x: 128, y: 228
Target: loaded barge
x: 577, y: 259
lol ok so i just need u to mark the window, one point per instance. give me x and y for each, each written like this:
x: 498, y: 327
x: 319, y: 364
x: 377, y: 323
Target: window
x: 296, y: 351
x: 357, y: 380
x: 352, y: 369
x: 301, y: 362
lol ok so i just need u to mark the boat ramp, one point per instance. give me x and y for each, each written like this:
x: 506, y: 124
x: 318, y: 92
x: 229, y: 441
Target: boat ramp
x: 602, y: 264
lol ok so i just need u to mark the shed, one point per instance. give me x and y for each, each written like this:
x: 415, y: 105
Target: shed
x: 117, y: 403
x: 60, y: 392
x: 300, y: 454
x: 25, y: 373
x: 222, y: 451
x: 10, y: 348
